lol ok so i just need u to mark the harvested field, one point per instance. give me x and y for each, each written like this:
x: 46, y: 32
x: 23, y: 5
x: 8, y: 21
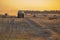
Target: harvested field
x: 51, y: 25
x: 27, y: 29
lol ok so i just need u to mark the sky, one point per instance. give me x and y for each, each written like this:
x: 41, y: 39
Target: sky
x: 12, y: 6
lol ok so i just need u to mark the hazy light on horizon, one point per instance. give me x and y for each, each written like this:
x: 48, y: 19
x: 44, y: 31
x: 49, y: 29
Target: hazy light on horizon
x: 12, y: 6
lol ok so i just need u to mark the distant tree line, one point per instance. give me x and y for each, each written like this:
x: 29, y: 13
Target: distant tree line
x: 52, y: 11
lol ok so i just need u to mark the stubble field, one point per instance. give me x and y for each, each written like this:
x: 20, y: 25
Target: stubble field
x: 29, y: 29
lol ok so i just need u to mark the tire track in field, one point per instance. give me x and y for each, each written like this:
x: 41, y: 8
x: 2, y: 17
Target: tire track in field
x: 37, y: 30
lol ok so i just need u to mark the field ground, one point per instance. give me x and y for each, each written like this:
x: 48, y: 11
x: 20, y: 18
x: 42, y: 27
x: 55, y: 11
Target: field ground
x: 51, y: 25
x: 29, y: 29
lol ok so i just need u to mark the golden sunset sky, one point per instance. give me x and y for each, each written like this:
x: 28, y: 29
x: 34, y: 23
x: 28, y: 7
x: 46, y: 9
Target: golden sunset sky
x: 12, y: 6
